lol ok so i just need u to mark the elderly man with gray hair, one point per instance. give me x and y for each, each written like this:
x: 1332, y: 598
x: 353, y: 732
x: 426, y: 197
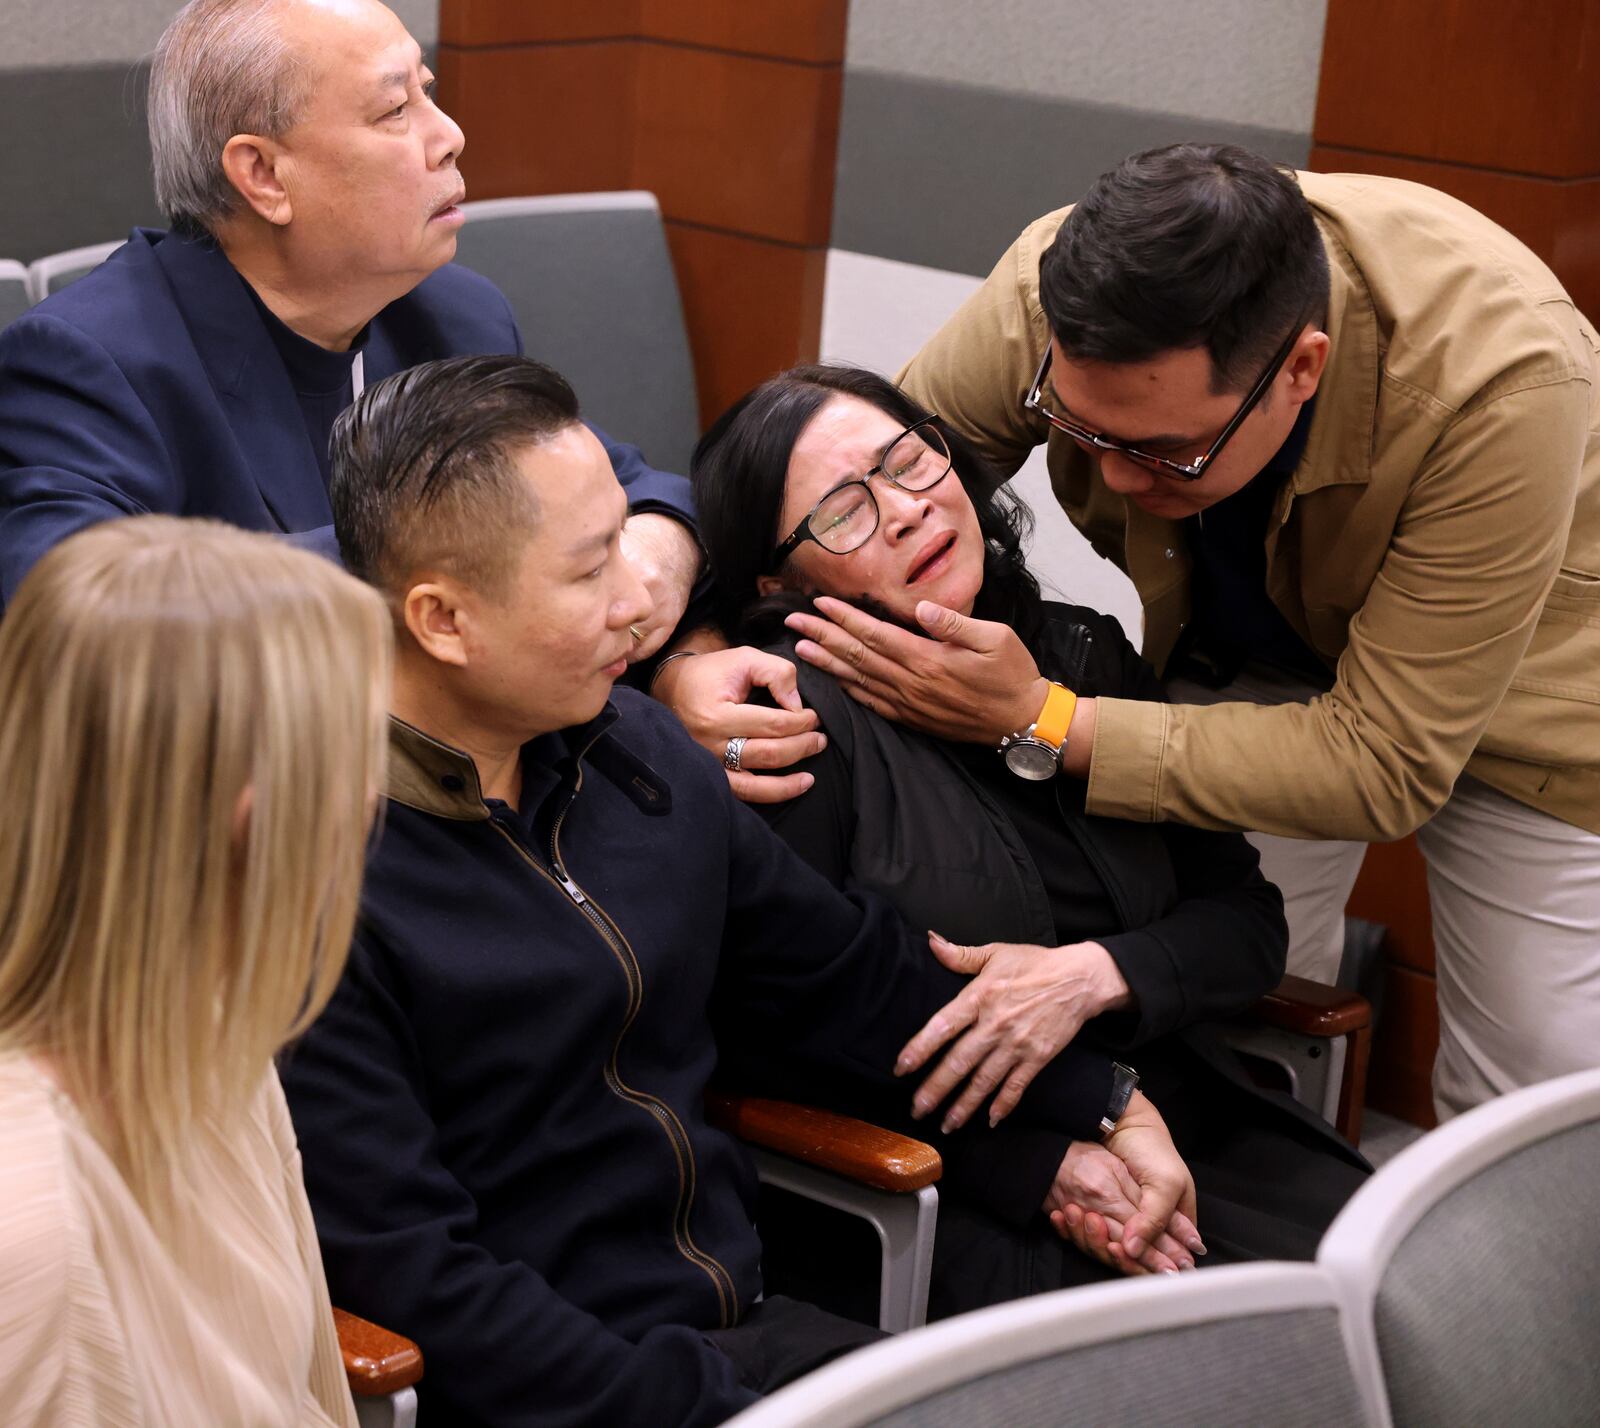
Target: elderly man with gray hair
x: 311, y: 185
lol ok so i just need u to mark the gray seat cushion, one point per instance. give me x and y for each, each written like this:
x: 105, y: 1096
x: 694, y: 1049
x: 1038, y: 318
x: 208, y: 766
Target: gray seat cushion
x: 1489, y: 1312
x: 596, y: 296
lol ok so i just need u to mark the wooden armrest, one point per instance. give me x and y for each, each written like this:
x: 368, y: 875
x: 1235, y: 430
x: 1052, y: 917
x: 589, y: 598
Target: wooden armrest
x: 376, y: 1362
x: 865, y: 1153
x: 1313, y: 1009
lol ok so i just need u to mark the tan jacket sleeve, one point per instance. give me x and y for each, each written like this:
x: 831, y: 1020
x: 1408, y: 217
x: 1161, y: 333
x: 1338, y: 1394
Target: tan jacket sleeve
x: 1430, y: 654
x: 975, y: 370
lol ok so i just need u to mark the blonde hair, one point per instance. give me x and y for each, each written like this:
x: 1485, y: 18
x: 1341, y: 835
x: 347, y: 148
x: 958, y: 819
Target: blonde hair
x: 191, y: 739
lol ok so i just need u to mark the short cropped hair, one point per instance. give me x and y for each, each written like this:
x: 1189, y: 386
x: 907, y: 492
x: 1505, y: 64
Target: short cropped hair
x: 424, y: 475
x: 222, y: 68
x: 1192, y: 245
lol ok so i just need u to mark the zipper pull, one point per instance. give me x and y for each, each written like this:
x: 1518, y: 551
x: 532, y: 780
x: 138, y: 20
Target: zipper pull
x: 1080, y: 660
x: 571, y: 889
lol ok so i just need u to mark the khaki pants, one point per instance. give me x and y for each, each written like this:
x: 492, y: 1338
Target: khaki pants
x: 1516, y: 922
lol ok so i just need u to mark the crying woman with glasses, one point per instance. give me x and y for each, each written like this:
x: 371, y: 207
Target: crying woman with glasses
x: 829, y: 482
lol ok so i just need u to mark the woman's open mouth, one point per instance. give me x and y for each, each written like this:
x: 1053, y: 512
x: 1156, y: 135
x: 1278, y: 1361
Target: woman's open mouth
x: 933, y: 559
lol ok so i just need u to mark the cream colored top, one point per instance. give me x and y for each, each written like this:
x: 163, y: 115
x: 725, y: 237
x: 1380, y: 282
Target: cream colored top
x: 105, y: 1322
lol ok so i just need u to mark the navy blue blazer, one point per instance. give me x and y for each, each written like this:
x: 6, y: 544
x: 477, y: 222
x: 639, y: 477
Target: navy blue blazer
x: 152, y: 385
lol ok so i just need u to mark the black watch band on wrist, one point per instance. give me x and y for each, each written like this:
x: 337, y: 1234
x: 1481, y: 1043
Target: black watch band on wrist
x: 1124, y: 1082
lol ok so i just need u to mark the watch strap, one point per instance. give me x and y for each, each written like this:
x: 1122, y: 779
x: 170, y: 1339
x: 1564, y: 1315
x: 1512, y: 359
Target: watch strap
x: 1124, y: 1082
x: 1056, y: 717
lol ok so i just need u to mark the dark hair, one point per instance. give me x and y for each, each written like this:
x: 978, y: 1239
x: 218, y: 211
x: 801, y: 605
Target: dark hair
x: 741, y: 466
x: 422, y: 469
x: 1186, y: 246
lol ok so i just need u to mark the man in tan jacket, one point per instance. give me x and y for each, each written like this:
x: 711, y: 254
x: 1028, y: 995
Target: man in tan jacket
x: 1341, y: 432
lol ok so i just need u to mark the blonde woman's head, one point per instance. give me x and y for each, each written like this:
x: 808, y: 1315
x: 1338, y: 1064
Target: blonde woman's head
x: 191, y: 740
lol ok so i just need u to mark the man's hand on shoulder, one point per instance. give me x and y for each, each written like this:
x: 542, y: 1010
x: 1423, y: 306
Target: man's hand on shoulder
x: 710, y: 694
x: 969, y: 680
x: 666, y: 557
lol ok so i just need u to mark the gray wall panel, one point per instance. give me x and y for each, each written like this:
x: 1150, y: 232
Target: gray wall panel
x: 946, y: 175
x: 77, y: 165
x: 51, y: 33
x: 1241, y: 61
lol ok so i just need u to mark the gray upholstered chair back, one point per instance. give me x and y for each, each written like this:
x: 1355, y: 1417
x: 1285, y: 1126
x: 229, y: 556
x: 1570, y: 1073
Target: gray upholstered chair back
x: 16, y: 296
x: 51, y: 274
x: 1247, y: 1344
x: 591, y: 282
x: 1476, y: 1251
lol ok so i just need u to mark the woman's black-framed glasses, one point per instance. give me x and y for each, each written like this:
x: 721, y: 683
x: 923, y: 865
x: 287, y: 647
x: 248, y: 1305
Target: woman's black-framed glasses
x: 1177, y: 470
x: 845, y: 518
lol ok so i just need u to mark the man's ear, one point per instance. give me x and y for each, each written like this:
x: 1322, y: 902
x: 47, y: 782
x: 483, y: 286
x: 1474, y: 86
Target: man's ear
x: 1306, y: 364
x: 433, y: 615
x: 768, y: 584
x: 257, y: 167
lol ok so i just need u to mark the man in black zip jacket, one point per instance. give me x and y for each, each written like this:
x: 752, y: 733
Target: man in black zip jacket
x: 569, y: 924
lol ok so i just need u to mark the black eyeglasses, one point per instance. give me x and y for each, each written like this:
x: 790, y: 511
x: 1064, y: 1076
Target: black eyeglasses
x: 845, y: 518
x: 1177, y: 470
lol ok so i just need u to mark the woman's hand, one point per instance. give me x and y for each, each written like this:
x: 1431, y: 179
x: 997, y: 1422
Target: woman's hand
x: 973, y: 681
x: 1142, y: 1142
x: 710, y: 693
x: 1092, y: 1179
x: 1022, y: 1007
x: 1100, y: 1237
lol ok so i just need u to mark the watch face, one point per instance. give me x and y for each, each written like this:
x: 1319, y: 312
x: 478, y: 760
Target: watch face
x: 1032, y: 759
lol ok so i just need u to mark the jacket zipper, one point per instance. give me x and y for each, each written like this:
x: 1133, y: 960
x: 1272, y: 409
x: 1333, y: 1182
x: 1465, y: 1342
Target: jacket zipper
x: 1080, y: 660
x: 677, y: 1135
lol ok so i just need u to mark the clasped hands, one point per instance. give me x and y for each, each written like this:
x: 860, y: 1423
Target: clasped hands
x: 1129, y: 1203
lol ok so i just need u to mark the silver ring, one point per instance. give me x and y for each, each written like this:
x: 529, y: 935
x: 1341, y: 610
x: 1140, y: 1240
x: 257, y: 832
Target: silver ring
x: 636, y: 632
x: 732, y: 754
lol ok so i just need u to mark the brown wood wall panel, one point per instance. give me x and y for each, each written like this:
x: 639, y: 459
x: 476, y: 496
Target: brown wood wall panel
x: 1558, y: 218
x: 753, y: 308
x: 738, y: 143
x: 1400, y: 1073
x: 1513, y: 87
x: 1392, y: 890
x: 515, y: 22
x: 542, y: 120
x: 728, y: 111
x: 813, y: 33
